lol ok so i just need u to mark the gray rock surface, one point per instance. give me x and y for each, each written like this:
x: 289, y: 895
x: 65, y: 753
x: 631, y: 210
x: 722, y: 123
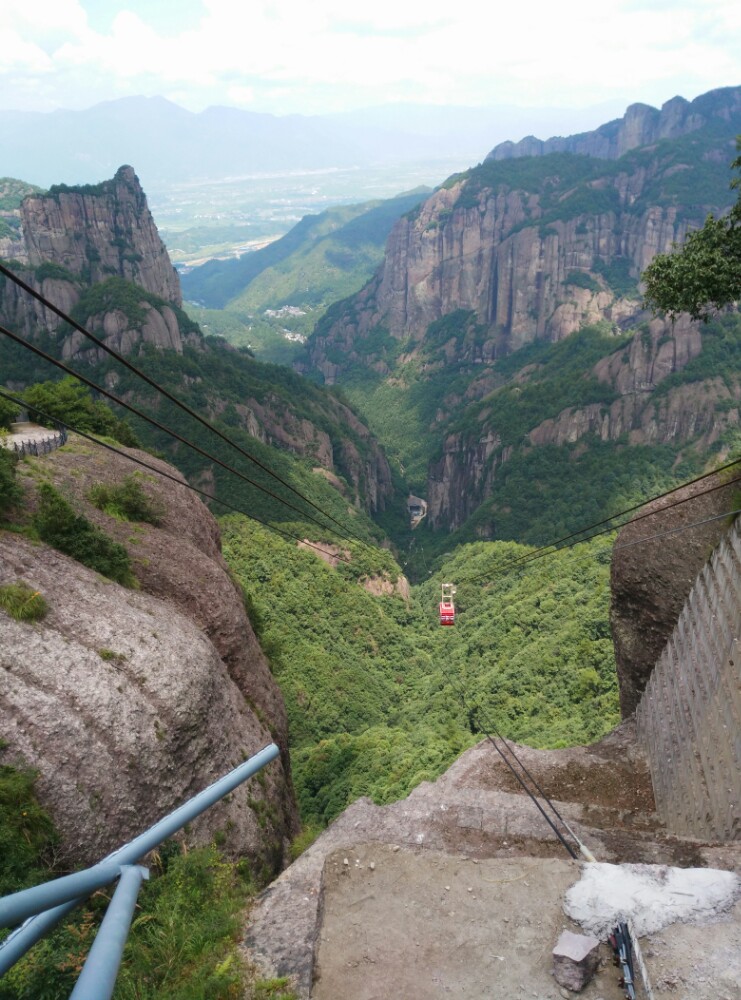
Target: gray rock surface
x: 575, y: 960
x: 127, y: 702
x: 471, y: 811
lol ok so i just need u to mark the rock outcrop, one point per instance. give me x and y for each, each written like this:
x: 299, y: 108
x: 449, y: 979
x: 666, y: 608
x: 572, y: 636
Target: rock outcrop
x: 99, y: 231
x: 523, y: 281
x: 651, y: 578
x: 641, y: 125
x: 513, y: 255
x: 129, y: 701
x: 94, y: 251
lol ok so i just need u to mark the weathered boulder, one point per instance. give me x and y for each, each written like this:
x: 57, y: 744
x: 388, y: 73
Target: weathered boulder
x: 127, y: 702
x: 575, y: 960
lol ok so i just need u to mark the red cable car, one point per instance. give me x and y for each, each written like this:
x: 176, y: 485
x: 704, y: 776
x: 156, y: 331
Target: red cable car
x: 447, y: 608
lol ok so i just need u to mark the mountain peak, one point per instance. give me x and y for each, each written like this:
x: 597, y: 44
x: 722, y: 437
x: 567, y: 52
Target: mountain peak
x: 641, y: 125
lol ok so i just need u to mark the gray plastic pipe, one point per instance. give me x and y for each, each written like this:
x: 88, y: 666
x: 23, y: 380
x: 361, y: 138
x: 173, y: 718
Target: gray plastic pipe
x: 52, y: 900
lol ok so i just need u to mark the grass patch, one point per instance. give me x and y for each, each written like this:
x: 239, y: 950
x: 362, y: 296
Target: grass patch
x: 75, y: 536
x: 127, y: 501
x: 303, y: 841
x: 110, y: 654
x: 274, y: 989
x: 22, y: 602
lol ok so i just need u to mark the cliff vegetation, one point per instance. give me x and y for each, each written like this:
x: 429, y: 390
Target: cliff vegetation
x: 373, y: 684
x: 502, y: 352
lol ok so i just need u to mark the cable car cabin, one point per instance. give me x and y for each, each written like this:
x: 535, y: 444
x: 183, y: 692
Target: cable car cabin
x: 447, y: 608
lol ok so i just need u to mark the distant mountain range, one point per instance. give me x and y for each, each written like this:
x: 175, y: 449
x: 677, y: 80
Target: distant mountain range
x: 167, y: 143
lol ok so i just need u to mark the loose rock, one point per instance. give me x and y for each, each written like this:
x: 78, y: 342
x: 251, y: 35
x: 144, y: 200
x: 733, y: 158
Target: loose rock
x: 575, y: 960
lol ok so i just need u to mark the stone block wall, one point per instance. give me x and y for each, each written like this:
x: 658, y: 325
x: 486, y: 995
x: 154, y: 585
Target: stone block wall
x: 689, y: 718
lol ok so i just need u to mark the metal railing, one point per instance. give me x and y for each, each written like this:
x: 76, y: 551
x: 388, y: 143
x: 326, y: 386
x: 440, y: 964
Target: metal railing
x: 42, y: 447
x: 38, y: 446
x: 43, y: 906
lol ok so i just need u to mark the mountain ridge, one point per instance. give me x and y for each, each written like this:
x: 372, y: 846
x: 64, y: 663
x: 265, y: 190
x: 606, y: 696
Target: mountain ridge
x: 641, y: 125
x: 504, y: 260
x: 95, y: 252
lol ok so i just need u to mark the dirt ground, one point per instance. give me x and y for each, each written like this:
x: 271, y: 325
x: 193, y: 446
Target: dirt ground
x: 409, y: 928
x: 383, y: 927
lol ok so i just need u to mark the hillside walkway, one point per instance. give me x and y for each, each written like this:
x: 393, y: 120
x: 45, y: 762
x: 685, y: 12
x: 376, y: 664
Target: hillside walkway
x: 26, y: 438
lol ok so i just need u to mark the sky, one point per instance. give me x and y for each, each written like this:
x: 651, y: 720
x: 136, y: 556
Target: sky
x: 323, y: 56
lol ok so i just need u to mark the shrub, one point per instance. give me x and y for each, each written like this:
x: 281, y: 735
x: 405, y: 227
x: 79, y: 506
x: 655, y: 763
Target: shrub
x: 26, y: 832
x: 127, y: 501
x: 22, y: 602
x: 71, y: 403
x: 183, y: 942
x: 59, y: 526
x: 10, y: 491
x: 8, y: 412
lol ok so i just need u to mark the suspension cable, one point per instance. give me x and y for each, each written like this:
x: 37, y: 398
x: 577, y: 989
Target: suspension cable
x: 161, y: 389
x: 174, y: 434
x: 557, y: 546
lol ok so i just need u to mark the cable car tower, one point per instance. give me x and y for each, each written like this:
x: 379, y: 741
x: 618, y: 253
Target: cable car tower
x: 447, y: 608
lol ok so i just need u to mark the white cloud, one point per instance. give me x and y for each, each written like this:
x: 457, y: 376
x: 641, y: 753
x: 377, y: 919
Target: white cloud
x: 288, y: 56
x: 18, y: 55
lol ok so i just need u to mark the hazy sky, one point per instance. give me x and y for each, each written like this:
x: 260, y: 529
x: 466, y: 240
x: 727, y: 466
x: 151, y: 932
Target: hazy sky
x: 314, y: 56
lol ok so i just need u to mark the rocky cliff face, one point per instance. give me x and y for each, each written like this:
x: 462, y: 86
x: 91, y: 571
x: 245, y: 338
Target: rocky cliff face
x: 650, y: 580
x: 129, y: 701
x: 524, y: 251
x: 94, y: 251
x: 640, y: 126
x: 99, y: 231
x: 364, y: 466
x: 523, y: 280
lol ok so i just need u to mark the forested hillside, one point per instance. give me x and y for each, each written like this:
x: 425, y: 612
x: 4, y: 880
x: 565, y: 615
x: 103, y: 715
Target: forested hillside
x: 502, y: 352
x: 271, y: 299
x: 379, y: 697
x: 115, y: 279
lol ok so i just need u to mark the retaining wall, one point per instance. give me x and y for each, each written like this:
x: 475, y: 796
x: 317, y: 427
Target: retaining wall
x: 689, y: 718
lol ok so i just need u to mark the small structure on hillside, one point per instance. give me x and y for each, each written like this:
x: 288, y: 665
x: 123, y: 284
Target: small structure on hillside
x: 417, y: 508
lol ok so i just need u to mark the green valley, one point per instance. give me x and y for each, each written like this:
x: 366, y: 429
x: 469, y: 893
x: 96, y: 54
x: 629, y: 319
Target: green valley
x: 379, y: 697
x: 270, y: 300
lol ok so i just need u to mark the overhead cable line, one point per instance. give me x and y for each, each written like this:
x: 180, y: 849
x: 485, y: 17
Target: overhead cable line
x: 471, y: 709
x: 552, y: 547
x: 682, y: 527
x: 582, y: 847
x: 168, y: 475
x: 174, y: 434
x: 164, y: 392
x: 651, y: 513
